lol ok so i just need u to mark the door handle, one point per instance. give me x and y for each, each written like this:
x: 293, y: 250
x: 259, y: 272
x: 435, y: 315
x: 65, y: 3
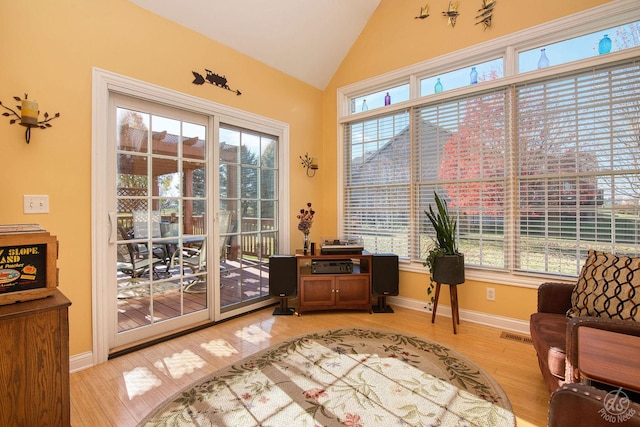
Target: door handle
x: 113, y: 226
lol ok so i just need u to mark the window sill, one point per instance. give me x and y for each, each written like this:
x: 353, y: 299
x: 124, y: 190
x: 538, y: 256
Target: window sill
x: 497, y: 277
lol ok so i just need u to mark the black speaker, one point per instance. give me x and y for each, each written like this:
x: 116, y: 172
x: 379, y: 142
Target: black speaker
x: 385, y: 279
x: 283, y: 281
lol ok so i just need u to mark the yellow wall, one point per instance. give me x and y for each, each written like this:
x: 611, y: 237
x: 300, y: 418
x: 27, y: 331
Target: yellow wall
x: 393, y: 39
x: 49, y: 48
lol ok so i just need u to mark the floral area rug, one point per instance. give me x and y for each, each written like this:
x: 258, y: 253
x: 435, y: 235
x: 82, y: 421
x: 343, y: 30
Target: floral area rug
x: 344, y: 377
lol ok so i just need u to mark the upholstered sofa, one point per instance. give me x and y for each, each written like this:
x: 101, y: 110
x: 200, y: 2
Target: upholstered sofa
x: 606, y: 296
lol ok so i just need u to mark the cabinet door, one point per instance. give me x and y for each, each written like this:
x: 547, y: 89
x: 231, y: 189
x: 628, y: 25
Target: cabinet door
x: 34, y: 377
x: 352, y: 289
x: 317, y: 290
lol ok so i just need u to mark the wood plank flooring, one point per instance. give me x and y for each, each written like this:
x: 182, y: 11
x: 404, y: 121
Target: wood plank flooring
x: 122, y: 391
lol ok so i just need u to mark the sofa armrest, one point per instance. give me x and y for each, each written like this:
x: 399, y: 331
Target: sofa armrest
x: 554, y: 297
x: 584, y: 406
x: 628, y: 327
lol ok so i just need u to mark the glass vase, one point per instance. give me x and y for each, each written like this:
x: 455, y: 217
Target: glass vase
x: 473, y: 77
x: 306, y: 244
x: 543, y: 62
x: 438, y: 87
x: 604, y: 46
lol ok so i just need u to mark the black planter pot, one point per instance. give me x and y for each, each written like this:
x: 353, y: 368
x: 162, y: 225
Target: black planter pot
x: 449, y: 269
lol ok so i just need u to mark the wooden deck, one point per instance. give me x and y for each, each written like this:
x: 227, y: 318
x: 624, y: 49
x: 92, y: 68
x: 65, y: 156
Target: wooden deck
x: 237, y: 286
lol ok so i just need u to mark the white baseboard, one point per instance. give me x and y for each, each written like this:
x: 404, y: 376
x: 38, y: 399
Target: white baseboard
x: 499, y: 322
x: 81, y: 361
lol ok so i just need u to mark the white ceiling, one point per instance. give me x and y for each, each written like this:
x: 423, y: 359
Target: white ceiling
x: 306, y: 39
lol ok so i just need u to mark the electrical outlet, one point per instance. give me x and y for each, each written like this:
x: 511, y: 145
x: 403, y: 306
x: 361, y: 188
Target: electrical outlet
x: 36, y: 204
x: 491, y: 294
x: 429, y: 307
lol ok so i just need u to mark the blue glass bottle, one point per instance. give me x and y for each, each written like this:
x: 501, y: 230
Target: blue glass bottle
x: 543, y: 62
x: 605, y: 45
x: 387, y: 99
x: 438, y: 87
x: 473, y: 77
x: 364, y: 105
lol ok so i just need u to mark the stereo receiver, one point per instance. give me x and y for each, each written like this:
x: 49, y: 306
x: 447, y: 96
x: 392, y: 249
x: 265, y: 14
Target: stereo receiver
x: 331, y: 266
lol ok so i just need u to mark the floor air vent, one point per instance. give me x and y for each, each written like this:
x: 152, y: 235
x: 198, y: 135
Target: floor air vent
x: 516, y: 337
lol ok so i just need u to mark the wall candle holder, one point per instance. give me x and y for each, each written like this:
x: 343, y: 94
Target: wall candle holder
x: 311, y: 163
x: 29, y: 117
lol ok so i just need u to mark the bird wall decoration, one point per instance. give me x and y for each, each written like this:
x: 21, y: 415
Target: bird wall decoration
x: 424, y: 12
x: 486, y: 13
x: 214, y: 79
x: 452, y: 13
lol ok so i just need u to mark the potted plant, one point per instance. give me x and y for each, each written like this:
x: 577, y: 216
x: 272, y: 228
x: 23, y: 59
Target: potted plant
x: 444, y: 260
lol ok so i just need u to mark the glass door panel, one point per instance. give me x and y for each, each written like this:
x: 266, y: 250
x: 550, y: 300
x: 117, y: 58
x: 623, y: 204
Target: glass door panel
x: 162, y: 276
x: 248, y: 203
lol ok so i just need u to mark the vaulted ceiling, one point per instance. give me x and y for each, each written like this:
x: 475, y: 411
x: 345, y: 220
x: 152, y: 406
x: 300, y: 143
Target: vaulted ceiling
x: 306, y: 39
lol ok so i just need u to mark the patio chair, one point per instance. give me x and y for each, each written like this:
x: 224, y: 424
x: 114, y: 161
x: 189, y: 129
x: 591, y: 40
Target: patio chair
x: 130, y: 262
x: 194, y: 259
x: 141, y: 231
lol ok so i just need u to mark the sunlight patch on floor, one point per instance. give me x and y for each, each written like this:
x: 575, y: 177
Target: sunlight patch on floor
x: 139, y: 381
x: 253, y: 334
x: 219, y: 348
x: 180, y: 364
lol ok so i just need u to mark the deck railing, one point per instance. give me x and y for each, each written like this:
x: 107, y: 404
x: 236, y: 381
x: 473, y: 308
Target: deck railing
x: 258, y: 244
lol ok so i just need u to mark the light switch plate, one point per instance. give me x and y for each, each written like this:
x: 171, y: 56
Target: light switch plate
x: 36, y: 204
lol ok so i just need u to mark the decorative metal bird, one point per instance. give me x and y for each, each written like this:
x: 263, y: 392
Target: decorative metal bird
x: 424, y: 12
x: 486, y: 13
x: 452, y: 13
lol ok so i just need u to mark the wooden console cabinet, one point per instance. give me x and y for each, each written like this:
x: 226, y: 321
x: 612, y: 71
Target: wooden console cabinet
x: 335, y: 290
x: 34, y: 367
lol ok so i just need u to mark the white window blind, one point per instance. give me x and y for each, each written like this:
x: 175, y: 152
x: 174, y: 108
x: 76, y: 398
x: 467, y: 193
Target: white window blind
x: 461, y: 151
x: 578, y: 145
x: 377, y: 183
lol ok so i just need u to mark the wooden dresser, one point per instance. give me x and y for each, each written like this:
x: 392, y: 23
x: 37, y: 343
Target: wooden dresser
x: 34, y: 362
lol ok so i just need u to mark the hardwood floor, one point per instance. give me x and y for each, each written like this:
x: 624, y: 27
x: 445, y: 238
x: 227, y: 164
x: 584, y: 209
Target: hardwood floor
x: 122, y: 391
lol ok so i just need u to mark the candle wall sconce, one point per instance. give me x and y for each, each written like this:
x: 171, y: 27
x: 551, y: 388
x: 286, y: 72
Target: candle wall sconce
x: 29, y: 116
x: 311, y: 163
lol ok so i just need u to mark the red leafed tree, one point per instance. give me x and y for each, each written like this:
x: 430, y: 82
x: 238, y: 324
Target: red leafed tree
x: 476, y: 151
x: 473, y: 160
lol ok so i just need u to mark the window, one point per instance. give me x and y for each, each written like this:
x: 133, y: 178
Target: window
x: 538, y: 169
x: 378, y: 185
x: 576, y: 48
x: 380, y: 98
x: 578, y: 169
x: 461, y: 148
x: 489, y: 70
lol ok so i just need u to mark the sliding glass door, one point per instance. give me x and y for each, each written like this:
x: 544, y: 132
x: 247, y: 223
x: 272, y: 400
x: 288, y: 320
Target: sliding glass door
x: 187, y: 207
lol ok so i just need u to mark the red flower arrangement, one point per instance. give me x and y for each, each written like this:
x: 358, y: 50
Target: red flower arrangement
x: 306, y: 219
